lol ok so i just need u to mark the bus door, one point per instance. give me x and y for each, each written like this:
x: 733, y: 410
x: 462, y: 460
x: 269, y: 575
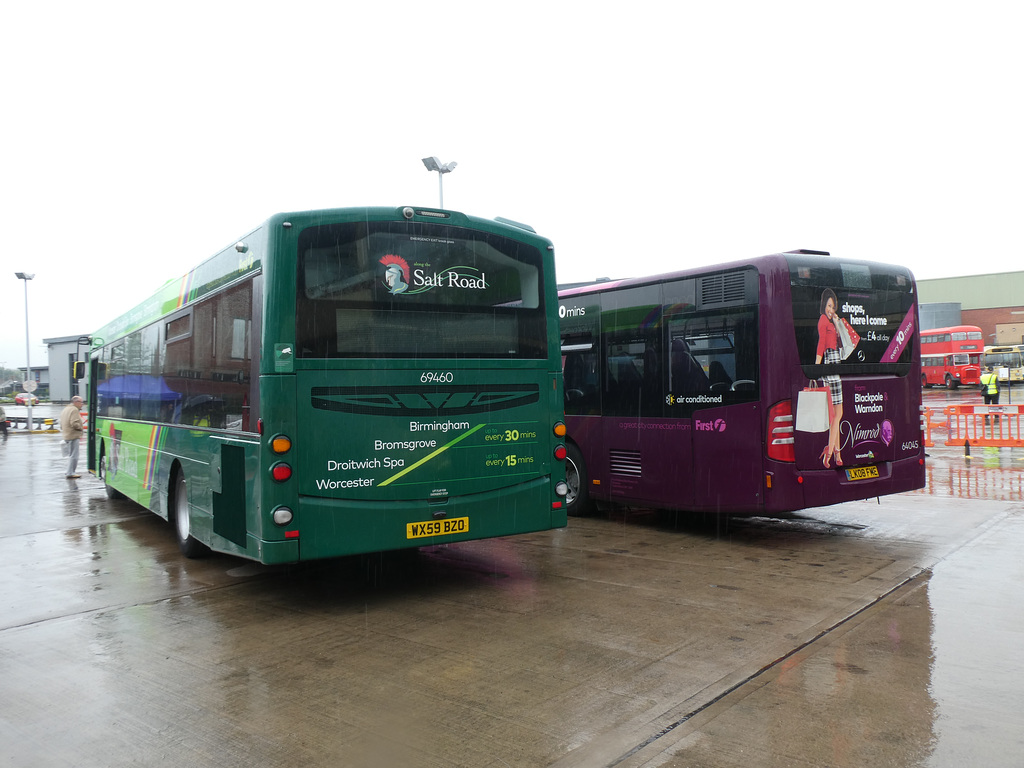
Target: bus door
x: 97, y: 372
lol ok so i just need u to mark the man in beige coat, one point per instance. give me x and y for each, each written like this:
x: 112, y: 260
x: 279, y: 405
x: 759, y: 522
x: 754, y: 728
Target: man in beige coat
x: 71, y: 431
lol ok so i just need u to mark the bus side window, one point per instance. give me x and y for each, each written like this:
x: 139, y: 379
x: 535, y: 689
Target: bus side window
x: 582, y: 395
x: 653, y: 396
x: 687, y: 375
x: 715, y: 352
x: 633, y: 381
x: 622, y: 386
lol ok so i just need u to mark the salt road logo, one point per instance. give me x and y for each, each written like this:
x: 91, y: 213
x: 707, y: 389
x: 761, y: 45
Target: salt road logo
x: 718, y: 425
x: 400, y: 279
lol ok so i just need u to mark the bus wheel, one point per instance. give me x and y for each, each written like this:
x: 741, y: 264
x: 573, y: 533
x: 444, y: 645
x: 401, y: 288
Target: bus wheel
x: 189, y: 546
x: 112, y: 493
x: 924, y: 381
x: 577, y: 500
x: 950, y: 382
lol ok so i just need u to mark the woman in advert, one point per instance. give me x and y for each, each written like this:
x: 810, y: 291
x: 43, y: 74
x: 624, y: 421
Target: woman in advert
x: 828, y: 353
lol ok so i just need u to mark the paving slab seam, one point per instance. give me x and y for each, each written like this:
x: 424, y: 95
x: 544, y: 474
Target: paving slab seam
x: 122, y: 606
x: 666, y: 730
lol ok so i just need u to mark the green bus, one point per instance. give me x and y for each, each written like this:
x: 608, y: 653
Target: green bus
x: 339, y: 382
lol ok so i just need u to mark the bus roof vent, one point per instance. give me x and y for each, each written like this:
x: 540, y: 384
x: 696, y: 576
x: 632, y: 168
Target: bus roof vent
x: 517, y: 224
x: 725, y: 289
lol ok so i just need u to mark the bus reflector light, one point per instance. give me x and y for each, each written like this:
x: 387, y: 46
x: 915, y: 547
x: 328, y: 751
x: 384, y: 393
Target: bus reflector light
x: 283, y: 515
x: 560, y: 453
x: 559, y: 429
x: 800, y: 479
x: 768, y: 480
x: 291, y: 534
x: 281, y: 472
x: 561, y: 488
x: 556, y: 505
x: 281, y: 444
x: 259, y: 426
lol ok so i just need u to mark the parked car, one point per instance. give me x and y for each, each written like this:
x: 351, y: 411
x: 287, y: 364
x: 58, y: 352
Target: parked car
x: 22, y: 399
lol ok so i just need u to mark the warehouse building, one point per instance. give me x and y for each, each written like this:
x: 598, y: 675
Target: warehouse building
x: 994, y: 303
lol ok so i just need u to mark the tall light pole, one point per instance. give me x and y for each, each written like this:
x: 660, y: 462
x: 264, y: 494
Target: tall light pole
x: 28, y: 364
x: 433, y: 164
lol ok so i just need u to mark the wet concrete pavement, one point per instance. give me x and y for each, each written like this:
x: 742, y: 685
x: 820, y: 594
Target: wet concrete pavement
x: 865, y: 634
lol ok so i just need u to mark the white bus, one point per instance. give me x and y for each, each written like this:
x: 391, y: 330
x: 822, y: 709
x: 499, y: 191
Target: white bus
x: 1008, y: 361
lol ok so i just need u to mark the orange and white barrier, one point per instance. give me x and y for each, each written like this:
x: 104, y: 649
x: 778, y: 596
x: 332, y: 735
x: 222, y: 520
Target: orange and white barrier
x: 993, y: 425
x: 927, y: 424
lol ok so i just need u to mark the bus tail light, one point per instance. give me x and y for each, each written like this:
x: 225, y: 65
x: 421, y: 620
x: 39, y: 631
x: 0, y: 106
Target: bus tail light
x: 562, y: 488
x: 781, y: 445
x: 559, y: 429
x: 560, y: 453
x: 281, y: 472
x: 281, y: 444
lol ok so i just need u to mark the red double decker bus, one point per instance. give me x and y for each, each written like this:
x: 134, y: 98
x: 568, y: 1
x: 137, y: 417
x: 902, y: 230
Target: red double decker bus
x: 951, y: 356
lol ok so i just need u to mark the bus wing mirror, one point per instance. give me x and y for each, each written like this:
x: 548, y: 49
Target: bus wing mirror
x: 78, y: 371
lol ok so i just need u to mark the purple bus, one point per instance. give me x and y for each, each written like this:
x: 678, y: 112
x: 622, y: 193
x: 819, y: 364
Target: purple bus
x: 752, y: 388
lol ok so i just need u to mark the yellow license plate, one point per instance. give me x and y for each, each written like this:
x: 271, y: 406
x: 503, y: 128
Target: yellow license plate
x: 436, y: 528
x: 861, y: 473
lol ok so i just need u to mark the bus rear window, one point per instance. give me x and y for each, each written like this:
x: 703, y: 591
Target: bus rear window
x: 852, y: 318
x: 402, y: 289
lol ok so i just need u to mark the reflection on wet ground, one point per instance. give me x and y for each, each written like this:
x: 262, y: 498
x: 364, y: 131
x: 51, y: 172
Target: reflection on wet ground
x: 989, y: 473
x: 859, y: 696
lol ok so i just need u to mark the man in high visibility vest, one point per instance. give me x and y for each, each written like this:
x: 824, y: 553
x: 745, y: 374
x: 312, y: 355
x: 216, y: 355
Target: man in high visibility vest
x: 990, y: 389
x: 990, y: 386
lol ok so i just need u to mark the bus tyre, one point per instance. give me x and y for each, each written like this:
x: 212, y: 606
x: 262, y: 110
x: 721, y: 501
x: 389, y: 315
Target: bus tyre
x: 577, y: 500
x: 950, y: 382
x: 924, y: 381
x: 112, y: 493
x: 189, y: 546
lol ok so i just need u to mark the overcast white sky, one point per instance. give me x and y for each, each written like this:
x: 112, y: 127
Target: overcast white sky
x: 139, y: 138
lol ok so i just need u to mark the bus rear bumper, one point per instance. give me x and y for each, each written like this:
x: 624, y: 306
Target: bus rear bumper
x: 791, y: 490
x: 389, y: 525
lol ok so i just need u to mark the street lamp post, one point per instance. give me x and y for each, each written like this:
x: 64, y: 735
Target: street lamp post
x: 28, y: 363
x: 433, y: 164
